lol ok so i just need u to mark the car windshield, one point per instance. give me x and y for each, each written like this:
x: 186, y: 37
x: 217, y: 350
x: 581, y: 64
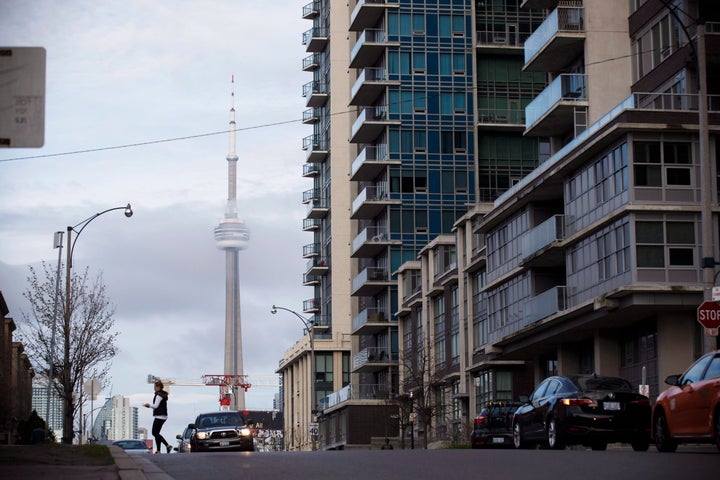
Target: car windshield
x: 614, y: 384
x: 229, y: 419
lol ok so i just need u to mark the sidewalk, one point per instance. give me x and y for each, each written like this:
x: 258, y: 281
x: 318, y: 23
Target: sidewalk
x: 126, y: 467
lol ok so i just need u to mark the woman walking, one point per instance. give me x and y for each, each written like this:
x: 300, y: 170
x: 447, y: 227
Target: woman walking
x: 159, y: 407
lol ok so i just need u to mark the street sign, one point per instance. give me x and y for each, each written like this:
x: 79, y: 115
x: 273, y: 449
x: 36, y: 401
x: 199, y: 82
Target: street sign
x: 708, y: 314
x: 22, y: 97
x: 313, y: 429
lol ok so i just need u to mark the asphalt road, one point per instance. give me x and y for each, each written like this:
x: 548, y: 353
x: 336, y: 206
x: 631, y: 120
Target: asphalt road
x: 693, y: 462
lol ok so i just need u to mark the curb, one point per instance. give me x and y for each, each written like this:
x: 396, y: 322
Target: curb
x: 136, y: 467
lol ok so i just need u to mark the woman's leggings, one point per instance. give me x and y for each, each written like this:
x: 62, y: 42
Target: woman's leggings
x: 159, y: 440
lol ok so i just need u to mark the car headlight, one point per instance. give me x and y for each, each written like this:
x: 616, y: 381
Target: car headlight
x: 245, y: 432
x: 201, y: 435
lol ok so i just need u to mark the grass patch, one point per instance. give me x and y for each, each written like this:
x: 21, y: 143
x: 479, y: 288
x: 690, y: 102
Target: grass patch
x: 55, y: 454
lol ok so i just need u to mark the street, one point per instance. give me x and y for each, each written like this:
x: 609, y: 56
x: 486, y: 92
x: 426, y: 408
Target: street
x: 615, y: 464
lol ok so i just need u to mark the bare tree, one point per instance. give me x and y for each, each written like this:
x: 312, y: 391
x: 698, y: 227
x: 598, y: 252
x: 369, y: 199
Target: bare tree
x: 88, y: 342
x: 420, y: 383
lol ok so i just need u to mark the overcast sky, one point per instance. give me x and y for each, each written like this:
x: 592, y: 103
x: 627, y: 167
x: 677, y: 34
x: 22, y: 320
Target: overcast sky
x: 138, y: 71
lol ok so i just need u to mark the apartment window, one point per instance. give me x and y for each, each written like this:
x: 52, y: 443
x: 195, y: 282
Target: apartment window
x: 418, y: 62
x: 452, y: 25
x: 439, y: 319
x: 655, y: 238
x: 454, y: 182
x: 453, y: 142
x: 419, y: 101
x: 419, y: 141
x: 452, y: 63
x: 652, y: 159
x: 409, y: 24
x: 452, y: 102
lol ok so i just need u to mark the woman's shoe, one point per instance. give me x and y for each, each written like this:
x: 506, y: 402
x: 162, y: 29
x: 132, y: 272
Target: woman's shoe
x: 169, y: 448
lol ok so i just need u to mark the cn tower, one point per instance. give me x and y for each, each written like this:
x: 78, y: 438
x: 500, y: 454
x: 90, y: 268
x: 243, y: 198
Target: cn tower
x: 232, y: 235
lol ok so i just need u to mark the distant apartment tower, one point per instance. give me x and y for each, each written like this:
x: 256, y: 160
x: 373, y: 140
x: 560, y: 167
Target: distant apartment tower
x: 436, y: 94
x: 116, y: 420
x: 40, y: 404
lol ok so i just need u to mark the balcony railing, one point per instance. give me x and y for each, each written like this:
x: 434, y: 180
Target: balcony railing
x: 311, y: 305
x: 561, y: 20
x: 536, y: 308
x: 371, y: 355
x: 315, y: 39
x: 566, y: 87
x: 369, y: 315
x: 311, y: 10
x: 541, y: 236
x: 355, y: 392
x: 500, y: 116
x: 370, y: 274
x: 311, y: 249
x: 372, y: 234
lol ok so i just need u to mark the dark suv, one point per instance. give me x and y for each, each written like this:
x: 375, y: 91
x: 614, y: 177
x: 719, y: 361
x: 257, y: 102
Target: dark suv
x: 493, y: 425
x: 221, y: 431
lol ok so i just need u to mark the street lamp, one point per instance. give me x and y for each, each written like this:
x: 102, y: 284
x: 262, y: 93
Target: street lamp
x: 67, y: 390
x: 308, y: 323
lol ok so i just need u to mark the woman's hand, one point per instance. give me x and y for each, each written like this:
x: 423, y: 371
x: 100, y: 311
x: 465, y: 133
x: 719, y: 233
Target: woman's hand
x: 147, y: 405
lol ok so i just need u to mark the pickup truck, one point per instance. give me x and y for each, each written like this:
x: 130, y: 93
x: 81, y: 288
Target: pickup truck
x: 493, y: 425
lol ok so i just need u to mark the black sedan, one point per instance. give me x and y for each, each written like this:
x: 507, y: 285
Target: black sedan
x: 588, y: 410
x: 221, y: 431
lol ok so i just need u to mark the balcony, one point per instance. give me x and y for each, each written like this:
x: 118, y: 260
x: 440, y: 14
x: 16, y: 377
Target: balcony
x: 371, y: 241
x: 370, y: 321
x: 315, y: 93
x: 546, y: 4
x: 320, y: 322
x: 311, y: 62
x: 362, y: 392
x: 536, y: 308
x: 559, y: 39
x: 370, y: 84
x: 315, y: 146
x: 315, y: 39
x: 316, y: 202
x: 370, y: 123
x: 501, y: 43
x: 370, y: 162
x: 311, y: 116
x: 371, y: 201
x: 552, y: 112
x: 371, y: 281
x: 311, y: 170
x: 539, y: 239
x: 372, y: 359
x: 311, y: 224
x: 310, y: 280
x: 311, y: 250
x: 311, y: 306
x: 493, y: 118
x: 367, y: 13
x: 316, y: 266
x: 369, y: 47
x: 311, y: 10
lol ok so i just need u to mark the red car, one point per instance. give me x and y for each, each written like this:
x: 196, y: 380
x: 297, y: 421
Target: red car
x: 689, y: 411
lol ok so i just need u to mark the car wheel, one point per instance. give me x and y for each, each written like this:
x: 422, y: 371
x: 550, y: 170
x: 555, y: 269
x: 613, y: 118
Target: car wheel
x: 598, y: 446
x: 554, y: 441
x: 517, y: 436
x: 640, y: 443
x: 663, y: 442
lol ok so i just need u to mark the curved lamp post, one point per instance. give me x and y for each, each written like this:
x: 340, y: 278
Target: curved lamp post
x: 308, y: 323
x: 67, y: 391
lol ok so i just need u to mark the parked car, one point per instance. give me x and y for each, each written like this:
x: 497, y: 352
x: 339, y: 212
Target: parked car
x: 221, y: 431
x: 132, y: 447
x: 589, y: 410
x: 493, y: 425
x: 689, y: 411
x: 184, y: 441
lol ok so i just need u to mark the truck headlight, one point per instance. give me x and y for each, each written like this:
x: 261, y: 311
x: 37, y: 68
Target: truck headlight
x: 245, y: 432
x: 201, y: 435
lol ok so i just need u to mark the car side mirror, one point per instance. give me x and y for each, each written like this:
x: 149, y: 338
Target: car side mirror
x: 672, y: 380
x: 179, y: 437
x: 191, y: 426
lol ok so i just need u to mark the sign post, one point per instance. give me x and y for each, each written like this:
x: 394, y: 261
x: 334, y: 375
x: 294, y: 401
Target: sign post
x: 708, y: 314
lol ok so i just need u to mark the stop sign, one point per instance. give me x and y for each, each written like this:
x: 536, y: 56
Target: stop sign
x: 708, y: 314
